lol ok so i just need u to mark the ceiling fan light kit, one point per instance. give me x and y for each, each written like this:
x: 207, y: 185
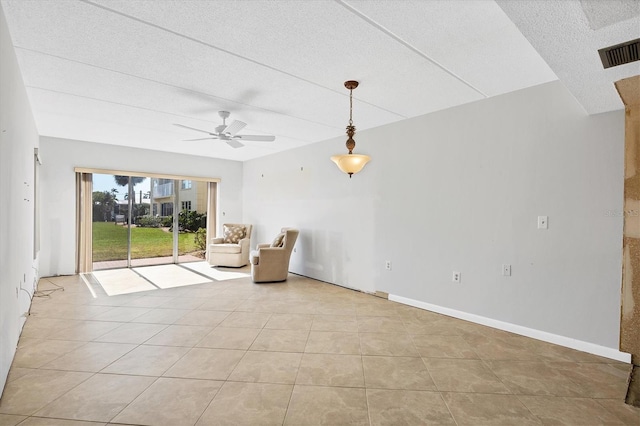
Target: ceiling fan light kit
x: 350, y: 163
x: 229, y: 133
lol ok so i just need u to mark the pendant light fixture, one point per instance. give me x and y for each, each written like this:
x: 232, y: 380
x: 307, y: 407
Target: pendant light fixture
x: 350, y: 163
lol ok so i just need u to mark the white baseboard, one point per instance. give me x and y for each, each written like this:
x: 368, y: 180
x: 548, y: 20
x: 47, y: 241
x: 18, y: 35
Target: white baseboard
x: 568, y: 342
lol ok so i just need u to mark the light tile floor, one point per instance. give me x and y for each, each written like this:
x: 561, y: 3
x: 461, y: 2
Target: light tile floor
x: 300, y: 352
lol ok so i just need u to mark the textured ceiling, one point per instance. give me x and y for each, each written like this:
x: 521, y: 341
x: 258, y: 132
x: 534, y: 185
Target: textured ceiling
x: 123, y: 71
x: 568, y: 34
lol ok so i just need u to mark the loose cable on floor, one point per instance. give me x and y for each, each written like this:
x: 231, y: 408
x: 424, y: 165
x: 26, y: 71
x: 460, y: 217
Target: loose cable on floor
x: 48, y: 292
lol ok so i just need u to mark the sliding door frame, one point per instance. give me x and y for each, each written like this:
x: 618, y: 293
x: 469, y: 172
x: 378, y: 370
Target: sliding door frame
x: 84, y: 211
x: 84, y: 221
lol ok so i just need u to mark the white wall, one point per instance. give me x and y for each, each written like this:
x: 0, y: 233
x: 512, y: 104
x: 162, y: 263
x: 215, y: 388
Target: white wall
x: 61, y: 156
x: 18, y: 138
x: 461, y: 190
x: 301, y: 188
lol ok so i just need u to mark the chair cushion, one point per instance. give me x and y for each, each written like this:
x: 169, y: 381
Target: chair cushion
x: 278, y: 240
x: 233, y: 234
x: 225, y: 248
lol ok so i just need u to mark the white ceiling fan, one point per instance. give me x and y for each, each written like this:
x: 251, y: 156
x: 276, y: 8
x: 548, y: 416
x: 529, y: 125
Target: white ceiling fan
x: 229, y: 133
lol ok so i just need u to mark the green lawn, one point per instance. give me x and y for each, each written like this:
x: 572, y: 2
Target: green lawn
x: 110, y: 242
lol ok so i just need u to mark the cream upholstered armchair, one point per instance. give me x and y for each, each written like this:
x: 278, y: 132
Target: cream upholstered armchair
x: 270, y: 262
x: 233, y: 248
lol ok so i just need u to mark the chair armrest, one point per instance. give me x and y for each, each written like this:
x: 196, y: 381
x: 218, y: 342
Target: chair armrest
x: 245, y: 245
x: 217, y: 240
x: 263, y: 245
x: 271, y: 254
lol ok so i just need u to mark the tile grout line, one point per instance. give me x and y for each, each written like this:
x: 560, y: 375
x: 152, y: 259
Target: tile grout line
x: 589, y: 365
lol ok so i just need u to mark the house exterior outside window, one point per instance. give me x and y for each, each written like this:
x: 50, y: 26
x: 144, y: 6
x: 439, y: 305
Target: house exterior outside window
x: 166, y: 209
x: 162, y: 188
x: 192, y: 196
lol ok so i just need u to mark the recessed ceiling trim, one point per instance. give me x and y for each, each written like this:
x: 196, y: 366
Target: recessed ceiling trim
x: 224, y: 100
x: 44, y: 89
x: 244, y: 58
x: 408, y: 45
x: 195, y: 40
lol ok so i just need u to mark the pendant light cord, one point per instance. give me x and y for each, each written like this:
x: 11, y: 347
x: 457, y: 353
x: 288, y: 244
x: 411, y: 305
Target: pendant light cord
x: 350, y: 107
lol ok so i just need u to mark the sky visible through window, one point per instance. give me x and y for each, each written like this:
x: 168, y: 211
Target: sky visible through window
x: 106, y: 183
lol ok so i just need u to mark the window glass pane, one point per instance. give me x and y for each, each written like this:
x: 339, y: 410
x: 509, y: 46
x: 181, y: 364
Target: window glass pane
x: 110, y: 214
x: 154, y: 203
x: 193, y: 216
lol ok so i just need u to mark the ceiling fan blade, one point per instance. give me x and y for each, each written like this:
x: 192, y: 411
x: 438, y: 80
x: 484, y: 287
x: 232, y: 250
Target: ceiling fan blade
x: 234, y: 144
x: 192, y: 128
x: 234, y: 128
x: 199, y: 139
x: 259, y: 138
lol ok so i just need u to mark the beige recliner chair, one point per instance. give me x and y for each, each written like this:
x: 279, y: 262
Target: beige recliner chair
x: 270, y: 262
x: 233, y: 248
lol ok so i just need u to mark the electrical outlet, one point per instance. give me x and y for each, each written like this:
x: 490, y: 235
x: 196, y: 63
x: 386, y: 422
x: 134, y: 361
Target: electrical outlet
x: 506, y: 270
x: 387, y: 265
x: 543, y: 222
x: 456, y: 277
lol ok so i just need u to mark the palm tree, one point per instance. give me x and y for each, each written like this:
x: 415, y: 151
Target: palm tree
x: 124, y: 181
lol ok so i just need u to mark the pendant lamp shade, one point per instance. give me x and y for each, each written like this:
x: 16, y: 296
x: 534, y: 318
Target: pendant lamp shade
x: 350, y: 163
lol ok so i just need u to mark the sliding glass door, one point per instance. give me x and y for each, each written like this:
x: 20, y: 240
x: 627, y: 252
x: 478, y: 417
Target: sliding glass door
x: 110, y: 224
x: 192, y: 219
x: 152, y: 229
x: 144, y: 220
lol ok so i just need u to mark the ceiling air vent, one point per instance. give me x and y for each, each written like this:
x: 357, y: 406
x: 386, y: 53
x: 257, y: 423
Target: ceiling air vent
x: 620, y: 53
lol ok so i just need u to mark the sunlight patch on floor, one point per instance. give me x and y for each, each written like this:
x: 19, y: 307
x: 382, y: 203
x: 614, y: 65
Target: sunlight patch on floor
x: 121, y: 281
x: 168, y: 276
x: 146, y: 278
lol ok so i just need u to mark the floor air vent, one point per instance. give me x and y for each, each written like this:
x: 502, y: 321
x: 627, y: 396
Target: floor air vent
x: 620, y: 53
